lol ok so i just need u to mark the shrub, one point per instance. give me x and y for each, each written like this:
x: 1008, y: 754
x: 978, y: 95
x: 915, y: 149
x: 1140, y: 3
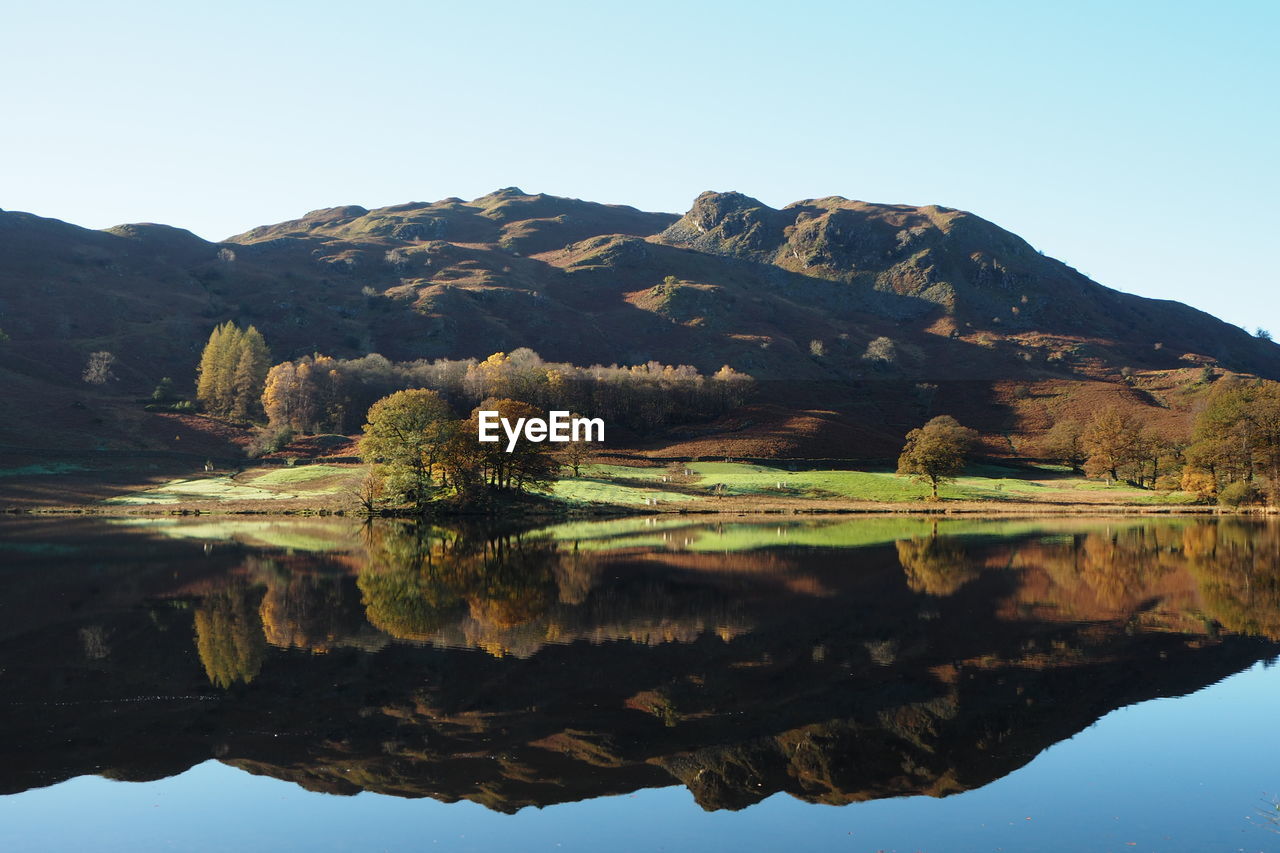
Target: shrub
x: 1199, y: 483
x: 181, y: 406
x: 268, y: 440
x: 882, y: 350
x: 1238, y: 493
x: 164, y: 391
x: 97, y: 371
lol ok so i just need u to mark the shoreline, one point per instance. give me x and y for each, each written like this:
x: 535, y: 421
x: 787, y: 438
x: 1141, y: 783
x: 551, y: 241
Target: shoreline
x: 944, y: 508
x: 608, y: 491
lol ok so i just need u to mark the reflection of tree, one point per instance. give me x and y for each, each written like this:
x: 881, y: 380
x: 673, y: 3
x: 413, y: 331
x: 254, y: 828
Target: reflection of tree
x: 418, y: 578
x: 229, y: 636
x: 576, y: 573
x: 1120, y: 571
x: 936, y: 565
x: 512, y: 595
x: 1175, y: 575
x: 305, y: 610
x: 1120, y: 567
x: 1238, y: 567
x: 510, y: 580
x: 405, y: 589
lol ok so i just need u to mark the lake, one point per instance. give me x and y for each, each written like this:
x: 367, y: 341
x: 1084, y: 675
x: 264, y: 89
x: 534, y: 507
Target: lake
x: 885, y: 683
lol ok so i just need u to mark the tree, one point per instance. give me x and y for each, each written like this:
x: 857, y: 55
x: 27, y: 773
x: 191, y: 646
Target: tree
x: 97, y: 370
x: 249, y: 375
x: 281, y: 396
x: 576, y: 454
x: 212, y: 375
x: 1237, y: 435
x: 527, y: 465
x: 164, y: 391
x: 232, y: 371
x: 1224, y: 439
x: 1199, y: 483
x: 369, y: 490
x: 1112, y: 441
x: 1153, y: 455
x: 936, y: 453
x: 1063, y: 444
x: 1266, y: 417
x: 882, y: 350
x: 407, y: 432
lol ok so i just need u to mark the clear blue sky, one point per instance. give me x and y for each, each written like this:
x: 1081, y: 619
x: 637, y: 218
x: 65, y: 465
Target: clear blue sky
x: 1135, y: 141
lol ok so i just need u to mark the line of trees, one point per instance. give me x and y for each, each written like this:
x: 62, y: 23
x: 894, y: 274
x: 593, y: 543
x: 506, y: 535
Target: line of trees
x: 1235, y: 446
x: 1114, y: 446
x: 323, y: 394
x: 1232, y: 453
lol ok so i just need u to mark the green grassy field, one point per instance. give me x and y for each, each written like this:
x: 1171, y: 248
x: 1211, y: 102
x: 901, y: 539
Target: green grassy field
x: 744, y: 486
x: 617, y: 484
x: 994, y: 483
x: 198, y: 489
x: 300, y: 474
x: 300, y: 483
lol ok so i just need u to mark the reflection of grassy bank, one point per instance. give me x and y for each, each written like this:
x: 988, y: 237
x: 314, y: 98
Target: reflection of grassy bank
x: 689, y: 535
x: 310, y: 535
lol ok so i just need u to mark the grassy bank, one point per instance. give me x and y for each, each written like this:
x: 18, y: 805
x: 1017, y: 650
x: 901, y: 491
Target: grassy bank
x: 695, y: 487
x: 707, y: 485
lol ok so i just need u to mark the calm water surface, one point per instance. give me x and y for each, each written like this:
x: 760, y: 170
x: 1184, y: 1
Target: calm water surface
x: 872, y: 684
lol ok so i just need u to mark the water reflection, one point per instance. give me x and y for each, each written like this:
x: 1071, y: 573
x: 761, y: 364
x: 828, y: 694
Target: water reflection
x: 835, y: 661
x: 229, y: 634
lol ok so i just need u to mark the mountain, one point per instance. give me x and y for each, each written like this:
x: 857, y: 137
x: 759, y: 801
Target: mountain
x: 846, y: 312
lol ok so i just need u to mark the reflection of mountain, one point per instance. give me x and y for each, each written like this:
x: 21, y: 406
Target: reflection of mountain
x: 515, y: 670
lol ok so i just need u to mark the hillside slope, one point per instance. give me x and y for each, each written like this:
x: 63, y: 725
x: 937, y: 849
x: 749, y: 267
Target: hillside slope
x: 847, y: 312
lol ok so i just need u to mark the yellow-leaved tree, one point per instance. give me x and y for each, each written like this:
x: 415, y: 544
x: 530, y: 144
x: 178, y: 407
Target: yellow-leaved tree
x: 232, y: 371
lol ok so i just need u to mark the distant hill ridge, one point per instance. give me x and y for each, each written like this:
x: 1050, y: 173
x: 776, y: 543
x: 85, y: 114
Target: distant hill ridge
x: 823, y: 301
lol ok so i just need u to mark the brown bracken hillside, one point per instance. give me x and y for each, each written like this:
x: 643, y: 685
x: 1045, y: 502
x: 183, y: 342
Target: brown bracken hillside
x: 858, y: 320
